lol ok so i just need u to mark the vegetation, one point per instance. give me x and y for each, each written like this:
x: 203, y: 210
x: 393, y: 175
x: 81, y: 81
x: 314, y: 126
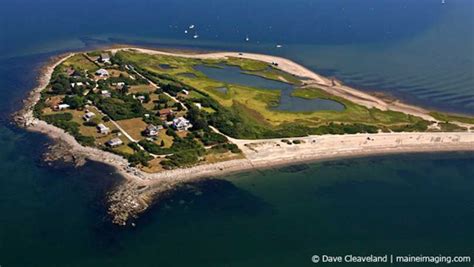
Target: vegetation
x: 450, y: 117
x: 121, y: 108
x: 63, y: 121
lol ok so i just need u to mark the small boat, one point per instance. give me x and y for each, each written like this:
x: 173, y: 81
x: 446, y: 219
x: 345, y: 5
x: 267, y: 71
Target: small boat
x: 196, y: 36
x: 247, y: 39
x: 279, y: 46
x: 191, y: 26
x: 185, y: 31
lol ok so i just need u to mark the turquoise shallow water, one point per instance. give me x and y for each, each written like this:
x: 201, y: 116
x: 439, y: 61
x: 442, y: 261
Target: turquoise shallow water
x: 420, y: 50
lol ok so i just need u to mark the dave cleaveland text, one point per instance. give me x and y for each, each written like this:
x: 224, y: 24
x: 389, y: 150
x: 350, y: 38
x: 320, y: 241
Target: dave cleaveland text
x: 350, y: 259
x: 390, y: 259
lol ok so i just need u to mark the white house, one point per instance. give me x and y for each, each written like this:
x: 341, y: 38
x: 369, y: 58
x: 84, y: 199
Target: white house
x: 102, y: 73
x: 141, y: 98
x: 62, y: 106
x: 73, y: 85
x: 152, y: 130
x: 103, y: 129
x: 89, y: 115
x: 181, y: 124
x: 105, y: 93
x: 114, y: 142
x: 104, y: 58
x: 186, y: 92
x: 120, y: 85
x: 198, y: 105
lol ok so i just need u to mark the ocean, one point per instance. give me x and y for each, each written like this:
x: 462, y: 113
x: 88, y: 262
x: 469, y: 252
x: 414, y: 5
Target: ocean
x: 420, y: 51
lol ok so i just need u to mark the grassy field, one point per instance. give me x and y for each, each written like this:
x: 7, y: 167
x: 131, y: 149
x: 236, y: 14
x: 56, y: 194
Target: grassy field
x: 79, y: 61
x: 142, y: 88
x: 450, y: 117
x: 117, y: 73
x: 134, y: 127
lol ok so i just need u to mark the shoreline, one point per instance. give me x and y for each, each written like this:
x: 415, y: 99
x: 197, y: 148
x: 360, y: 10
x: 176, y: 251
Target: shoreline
x: 140, y: 188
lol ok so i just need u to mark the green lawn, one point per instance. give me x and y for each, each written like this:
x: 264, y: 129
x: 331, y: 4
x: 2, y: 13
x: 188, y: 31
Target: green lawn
x: 451, y: 117
x: 80, y: 62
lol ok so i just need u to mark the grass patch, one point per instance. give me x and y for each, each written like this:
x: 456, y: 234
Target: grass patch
x: 451, y: 117
x: 80, y: 62
x: 133, y: 127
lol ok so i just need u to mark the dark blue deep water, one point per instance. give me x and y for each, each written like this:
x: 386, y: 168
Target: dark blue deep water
x: 421, y: 51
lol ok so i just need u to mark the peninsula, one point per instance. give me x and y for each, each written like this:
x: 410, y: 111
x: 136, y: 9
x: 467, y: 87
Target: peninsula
x: 163, y: 118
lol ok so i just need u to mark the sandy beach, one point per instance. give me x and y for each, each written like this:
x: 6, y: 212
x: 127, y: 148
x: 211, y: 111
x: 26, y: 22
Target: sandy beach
x: 261, y: 153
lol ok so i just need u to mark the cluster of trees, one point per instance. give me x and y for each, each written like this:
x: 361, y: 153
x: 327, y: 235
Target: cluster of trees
x: 139, y: 157
x: 179, y: 144
x: 64, y: 121
x: 125, y: 107
x: 152, y: 119
x: 164, y: 102
x: 61, y: 83
x: 419, y: 126
x: 75, y: 101
x: 222, y: 148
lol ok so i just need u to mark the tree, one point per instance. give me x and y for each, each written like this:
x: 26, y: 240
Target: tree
x: 74, y: 102
x: 124, y: 90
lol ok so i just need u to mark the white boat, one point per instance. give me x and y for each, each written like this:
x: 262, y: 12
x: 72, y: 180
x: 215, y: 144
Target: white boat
x: 247, y: 39
x: 185, y: 31
x: 279, y: 46
x: 196, y: 36
x: 191, y: 26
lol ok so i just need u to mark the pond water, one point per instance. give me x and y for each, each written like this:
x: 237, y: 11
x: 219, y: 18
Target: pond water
x: 165, y: 66
x: 233, y: 74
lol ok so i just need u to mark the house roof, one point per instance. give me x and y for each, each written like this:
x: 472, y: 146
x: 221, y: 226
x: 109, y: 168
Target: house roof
x: 165, y: 111
x: 102, y: 126
x: 115, y: 141
x: 181, y: 121
x: 151, y: 127
x: 102, y: 72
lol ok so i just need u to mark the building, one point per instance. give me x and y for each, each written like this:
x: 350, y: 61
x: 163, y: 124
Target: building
x: 62, y: 106
x: 198, y: 105
x: 73, y: 85
x: 104, y: 58
x: 102, y: 73
x: 165, y: 112
x: 181, y: 124
x: 115, y: 142
x: 141, y: 98
x: 152, y: 130
x: 103, y: 129
x: 105, y: 93
x: 88, y: 116
x: 120, y: 85
x: 186, y: 92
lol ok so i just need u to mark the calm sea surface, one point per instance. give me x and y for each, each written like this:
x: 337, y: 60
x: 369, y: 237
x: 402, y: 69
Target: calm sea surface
x: 421, y: 51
